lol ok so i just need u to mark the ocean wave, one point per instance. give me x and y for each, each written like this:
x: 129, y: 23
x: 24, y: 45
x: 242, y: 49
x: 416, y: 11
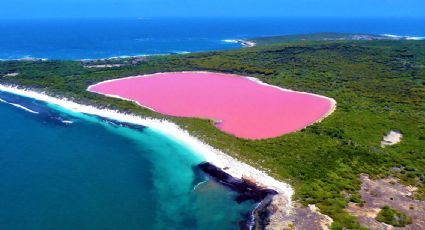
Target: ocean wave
x: 198, y: 184
x: 122, y: 57
x: 67, y: 122
x: 180, y: 52
x: 403, y: 37
x: 31, y: 58
x: 24, y: 58
x: 242, y: 42
x: 231, y: 40
x: 143, y: 39
x: 19, y: 106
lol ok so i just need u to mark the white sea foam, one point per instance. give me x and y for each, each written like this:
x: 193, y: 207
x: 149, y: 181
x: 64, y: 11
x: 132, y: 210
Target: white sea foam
x: 244, y: 43
x: 24, y: 58
x: 232, y: 166
x: 181, y: 52
x: 230, y: 41
x: 403, y: 37
x: 121, y: 57
x: 19, y: 106
x: 198, y: 184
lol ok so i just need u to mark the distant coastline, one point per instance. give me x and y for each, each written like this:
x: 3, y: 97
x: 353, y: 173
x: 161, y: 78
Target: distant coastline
x: 242, y: 42
x: 81, y: 39
x: 333, y: 36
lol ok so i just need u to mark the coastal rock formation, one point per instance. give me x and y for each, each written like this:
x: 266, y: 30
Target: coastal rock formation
x: 298, y: 218
x: 243, y: 43
x: 247, y: 188
x: 379, y: 193
x: 103, y: 66
x: 247, y: 44
x: 274, y: 211
x: 114, y: 62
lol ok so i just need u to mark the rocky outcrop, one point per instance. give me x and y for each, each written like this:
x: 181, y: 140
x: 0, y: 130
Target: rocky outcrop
x: 297, y: 218
x: 275, y: 211
x: 387, y: 192
x: 247, y: 188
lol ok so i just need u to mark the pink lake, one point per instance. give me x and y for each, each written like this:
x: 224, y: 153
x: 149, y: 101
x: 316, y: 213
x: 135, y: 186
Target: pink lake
x: 238, y: 105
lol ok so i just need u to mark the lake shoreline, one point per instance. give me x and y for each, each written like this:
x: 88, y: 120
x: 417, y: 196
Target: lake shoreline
x: 221, y: 116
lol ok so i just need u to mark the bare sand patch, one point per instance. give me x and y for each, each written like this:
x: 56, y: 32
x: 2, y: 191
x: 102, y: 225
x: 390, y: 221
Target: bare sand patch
x: 11, y: 74
x: 393, y: 137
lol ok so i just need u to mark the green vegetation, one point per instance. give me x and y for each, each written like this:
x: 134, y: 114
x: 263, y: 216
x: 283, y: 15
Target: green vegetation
x: 393, y: 217
x: 320, y: 37
x: 379, y: 86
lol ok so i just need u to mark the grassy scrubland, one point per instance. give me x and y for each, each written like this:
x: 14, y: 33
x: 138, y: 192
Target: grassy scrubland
x: 379, y: 86
x: 393, y: 217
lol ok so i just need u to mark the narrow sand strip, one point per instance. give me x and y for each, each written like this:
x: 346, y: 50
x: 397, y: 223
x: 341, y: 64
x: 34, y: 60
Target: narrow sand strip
x: 234, y: 167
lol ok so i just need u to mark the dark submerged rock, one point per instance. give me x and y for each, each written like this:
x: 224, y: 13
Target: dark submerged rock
x: 247, y: 189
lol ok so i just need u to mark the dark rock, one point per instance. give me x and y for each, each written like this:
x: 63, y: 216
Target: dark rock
x: 247, y: 189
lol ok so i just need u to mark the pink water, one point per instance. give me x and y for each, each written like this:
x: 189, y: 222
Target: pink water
x: 239, y: 106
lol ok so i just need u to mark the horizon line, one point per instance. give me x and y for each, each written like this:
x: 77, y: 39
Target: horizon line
x: 214, y: 17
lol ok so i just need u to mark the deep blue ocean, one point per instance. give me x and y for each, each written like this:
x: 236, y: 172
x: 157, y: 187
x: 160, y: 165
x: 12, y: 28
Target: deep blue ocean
x: 65, y: 170
x: 104, y: 38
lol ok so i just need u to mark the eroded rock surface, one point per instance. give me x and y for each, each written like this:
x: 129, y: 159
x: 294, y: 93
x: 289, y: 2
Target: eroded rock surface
x: 388, y: 191
x: 298, y: 217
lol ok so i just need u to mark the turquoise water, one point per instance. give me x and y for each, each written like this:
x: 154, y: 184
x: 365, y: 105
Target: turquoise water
x: 96, y: 174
